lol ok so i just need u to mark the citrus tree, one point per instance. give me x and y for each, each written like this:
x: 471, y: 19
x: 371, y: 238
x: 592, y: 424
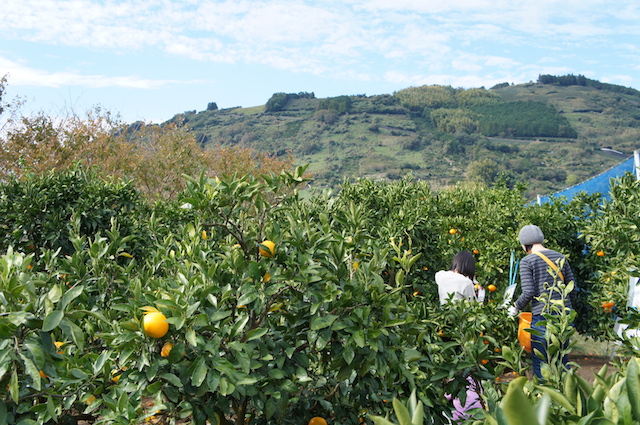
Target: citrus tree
x: 244, y: 301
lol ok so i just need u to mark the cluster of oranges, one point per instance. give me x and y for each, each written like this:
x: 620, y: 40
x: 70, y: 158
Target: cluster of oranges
x: 607, y: 306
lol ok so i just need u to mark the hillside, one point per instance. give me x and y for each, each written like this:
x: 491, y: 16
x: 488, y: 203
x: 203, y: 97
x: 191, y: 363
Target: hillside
x: 548, y: 136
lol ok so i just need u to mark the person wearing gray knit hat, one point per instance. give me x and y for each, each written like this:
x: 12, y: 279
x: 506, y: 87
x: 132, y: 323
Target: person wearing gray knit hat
x: 541, y: 270
x: 531, y: 235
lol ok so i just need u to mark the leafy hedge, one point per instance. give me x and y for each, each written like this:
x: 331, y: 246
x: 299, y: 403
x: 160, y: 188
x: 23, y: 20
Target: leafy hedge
x: 343, y: 317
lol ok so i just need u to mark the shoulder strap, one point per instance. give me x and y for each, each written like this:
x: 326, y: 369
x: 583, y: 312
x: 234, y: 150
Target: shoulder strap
x: 551, y: 264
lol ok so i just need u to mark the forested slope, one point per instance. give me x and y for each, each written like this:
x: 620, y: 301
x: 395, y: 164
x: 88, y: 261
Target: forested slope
x: 547, y: 134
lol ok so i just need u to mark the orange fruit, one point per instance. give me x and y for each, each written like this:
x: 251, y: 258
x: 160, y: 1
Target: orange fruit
x: 90, y: 399
x: 267, y: 249
x: 43, y: 375
x: 600, y: 253
x: 317, y: 421
x: 608, y: 304
x: 115, y: 378
x: 166, y: 349
x: 475, y: 251
x: 484, y: 361
x: 492, y: 288
x: 452, y: 231
x: 155, y: 324
x: 266, y: 278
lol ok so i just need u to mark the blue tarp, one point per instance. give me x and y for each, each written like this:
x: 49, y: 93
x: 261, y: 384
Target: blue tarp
x: 598, y: 184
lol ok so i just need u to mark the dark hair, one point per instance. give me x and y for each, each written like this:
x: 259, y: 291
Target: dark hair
x: 465, y: 264
x: 527, y: 248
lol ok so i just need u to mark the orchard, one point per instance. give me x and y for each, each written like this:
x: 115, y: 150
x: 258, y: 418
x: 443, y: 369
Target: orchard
x: 244, y: 302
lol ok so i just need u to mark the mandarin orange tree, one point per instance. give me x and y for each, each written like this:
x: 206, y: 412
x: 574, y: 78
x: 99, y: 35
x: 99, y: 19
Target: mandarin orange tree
x: 613, y: 250
x: 341, y: 319
x: 320, y: 336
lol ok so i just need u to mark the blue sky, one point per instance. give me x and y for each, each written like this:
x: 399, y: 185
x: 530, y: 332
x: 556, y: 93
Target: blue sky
x: 150, y: 59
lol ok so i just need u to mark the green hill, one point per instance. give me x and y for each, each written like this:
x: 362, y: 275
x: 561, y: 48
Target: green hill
x: 548, y: 135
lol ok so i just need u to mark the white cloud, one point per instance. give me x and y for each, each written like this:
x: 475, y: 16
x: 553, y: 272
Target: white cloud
x: 22, y: 75
x: 402, y: 40
x: 625, y: 80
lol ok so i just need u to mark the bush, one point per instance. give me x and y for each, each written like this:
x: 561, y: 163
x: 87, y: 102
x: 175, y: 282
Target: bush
x: 38, y: 212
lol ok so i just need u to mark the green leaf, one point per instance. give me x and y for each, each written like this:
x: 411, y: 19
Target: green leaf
x: 170, y: 378
x: 404, y: 417
x: 542, y: 408
x: 276, y: 374
x: 191, y: 337
x: 73, y: 332
x: 256, y: 334
x: 418, y: 414
x: 52, y: 320
x: 36, y: 352
x: 54, y: 294
x: 321, y: 322
x: 199, y: 372
x: 358, y: 338
x: 633, y: 388
x: 220, y: 315
x: 247, y: 380
x: 51, y: 408
x: 99, y: 363
x: 3, y: 413
x: 239, y: 325
x: 156, y: 386
x: 70, y: 295
x: 19, y: 318
x: 558, y: 398
x: 192, y: 308
x: 32, y: 371
x: 379, y: 420
x: 348, y: 354
x: 14, y: 387
x: 517, y: 409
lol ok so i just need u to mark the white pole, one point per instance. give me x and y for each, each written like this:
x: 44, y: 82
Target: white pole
x: 540, y: 198
x: 636, y: 163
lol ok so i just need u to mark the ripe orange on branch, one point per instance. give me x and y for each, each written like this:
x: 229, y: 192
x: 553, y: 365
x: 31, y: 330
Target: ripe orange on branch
x: 166, y: 349
x: 317, y: 421
x: 267, y: 248
x: 154, y: 323
x: 492, y: 288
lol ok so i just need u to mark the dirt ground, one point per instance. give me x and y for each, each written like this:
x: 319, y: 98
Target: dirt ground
x: 590, y: 365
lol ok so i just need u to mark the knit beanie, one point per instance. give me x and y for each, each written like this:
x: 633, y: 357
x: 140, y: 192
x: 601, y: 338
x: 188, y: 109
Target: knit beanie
x: 531, y: 234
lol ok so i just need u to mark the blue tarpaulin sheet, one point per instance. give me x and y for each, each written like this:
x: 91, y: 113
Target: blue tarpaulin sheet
x: 598, y: 184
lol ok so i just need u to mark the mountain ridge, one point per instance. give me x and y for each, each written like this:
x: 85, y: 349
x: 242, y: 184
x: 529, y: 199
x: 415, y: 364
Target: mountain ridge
x: 547, y: 134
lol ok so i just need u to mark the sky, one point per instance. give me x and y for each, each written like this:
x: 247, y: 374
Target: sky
x: 147, y: 60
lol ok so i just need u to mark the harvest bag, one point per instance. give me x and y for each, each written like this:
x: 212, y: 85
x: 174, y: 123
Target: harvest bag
x: 524, y: 337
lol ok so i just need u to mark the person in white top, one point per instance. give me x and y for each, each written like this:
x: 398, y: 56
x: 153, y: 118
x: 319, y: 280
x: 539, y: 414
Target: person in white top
x: 454, y: 285
x: 459, y: 282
